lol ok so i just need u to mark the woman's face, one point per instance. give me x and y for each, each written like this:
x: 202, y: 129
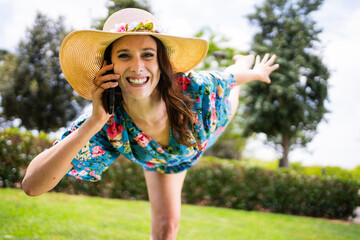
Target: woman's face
x: 135, y: 60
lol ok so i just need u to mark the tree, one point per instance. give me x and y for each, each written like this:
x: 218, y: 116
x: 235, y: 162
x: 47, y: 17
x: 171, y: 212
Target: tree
x: 288, y: 110
x: 37, y: 92
x: 116, y: 5
x: 7, y: 68
x: 219, y: 56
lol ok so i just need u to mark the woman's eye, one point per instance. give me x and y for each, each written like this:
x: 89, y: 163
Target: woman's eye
x: 148, y: 55
x: 124, y: 55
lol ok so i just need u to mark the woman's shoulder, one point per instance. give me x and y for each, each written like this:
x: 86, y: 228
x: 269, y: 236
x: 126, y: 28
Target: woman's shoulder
x: 200, y: 80
x: 191, y: 80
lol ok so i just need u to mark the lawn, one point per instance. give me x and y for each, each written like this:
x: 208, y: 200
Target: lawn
x: 60, y: 216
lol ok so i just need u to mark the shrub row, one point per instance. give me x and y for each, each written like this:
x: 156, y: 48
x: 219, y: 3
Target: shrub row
x: 210, y: 183
x: 279, y: 191
x: 17, y: 149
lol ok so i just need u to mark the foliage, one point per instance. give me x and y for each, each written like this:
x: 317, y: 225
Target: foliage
x: 116, y: 5
x: 288, y: 110
x: 3, y: 53
x: 219, y: 55
x: 7, y: 69
x: 17, y: 149
x: 38, y: 93
x: 319, y: 171
x: 253, y: 188
x: 211, y: 182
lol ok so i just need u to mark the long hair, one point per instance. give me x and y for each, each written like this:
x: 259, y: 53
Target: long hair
x: 178, y: 105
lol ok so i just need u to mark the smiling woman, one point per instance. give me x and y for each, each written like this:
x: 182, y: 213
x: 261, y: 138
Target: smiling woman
x: 134, y: 59
x: 165, y: 115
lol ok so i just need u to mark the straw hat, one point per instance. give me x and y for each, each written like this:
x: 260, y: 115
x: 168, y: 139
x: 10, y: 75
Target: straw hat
x: 82, y: 52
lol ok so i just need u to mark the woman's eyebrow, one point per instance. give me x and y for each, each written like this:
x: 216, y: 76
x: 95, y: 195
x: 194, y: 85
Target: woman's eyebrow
x: 127, y: 50
x: 122, y: 50
x: 147, y: 49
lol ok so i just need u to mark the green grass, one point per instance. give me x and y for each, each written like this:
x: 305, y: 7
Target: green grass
x: 60, y: 216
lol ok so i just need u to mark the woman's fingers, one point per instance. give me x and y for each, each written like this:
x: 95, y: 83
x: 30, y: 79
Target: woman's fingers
x: 104, y: 69
x: 109, y: 85
x: 257, y: 60
x: 265, y: 59
x: 102, y: 76
x: 106, y: 78
x: 271, y: 60
x: 274, y: 67
x: 101, y: 87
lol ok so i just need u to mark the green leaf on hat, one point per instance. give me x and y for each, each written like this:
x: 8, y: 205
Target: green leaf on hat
x: 149, y: 26
x: 140, y: 26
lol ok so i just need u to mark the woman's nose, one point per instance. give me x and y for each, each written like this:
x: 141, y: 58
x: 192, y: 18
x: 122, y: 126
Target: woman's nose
x: 137, y: 64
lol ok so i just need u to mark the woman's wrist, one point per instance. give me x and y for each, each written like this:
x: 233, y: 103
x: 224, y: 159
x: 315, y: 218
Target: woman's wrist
x: 94, y: 125
x: 246, y: 75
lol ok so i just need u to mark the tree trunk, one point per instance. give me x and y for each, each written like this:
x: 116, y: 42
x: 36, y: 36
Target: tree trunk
x: 284, y: 161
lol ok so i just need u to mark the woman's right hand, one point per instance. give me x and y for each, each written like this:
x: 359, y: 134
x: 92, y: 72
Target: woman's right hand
x: 102, y: 82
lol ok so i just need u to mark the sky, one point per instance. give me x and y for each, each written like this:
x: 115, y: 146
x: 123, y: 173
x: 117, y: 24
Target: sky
x: 337, y: 142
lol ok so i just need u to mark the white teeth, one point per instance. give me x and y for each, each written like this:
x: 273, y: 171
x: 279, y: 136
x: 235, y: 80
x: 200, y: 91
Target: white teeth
x: 137, y: 81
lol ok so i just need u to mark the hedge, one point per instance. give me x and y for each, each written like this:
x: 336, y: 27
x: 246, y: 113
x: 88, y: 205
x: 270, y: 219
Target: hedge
x: 17, y: 149
x: 210, y: 183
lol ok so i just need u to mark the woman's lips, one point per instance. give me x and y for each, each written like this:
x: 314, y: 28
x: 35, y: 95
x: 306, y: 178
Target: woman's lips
x: 137, y: 80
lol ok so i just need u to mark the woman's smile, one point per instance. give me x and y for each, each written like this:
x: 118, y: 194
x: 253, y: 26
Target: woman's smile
x: 138, y: 81
x: 135, y: 60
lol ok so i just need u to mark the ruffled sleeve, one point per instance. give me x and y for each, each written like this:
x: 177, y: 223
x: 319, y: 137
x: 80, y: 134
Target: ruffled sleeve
x: 95, y: 157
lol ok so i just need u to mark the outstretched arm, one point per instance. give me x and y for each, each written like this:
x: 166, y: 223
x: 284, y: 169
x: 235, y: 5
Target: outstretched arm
x: 261, y: 70
x: 49, y: 167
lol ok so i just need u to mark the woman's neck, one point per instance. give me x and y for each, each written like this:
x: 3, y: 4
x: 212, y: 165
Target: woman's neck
x: 145, y: 110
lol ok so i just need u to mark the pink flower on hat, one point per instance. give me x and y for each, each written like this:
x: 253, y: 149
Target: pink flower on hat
x: 119, y: 28
x: 135, y: 27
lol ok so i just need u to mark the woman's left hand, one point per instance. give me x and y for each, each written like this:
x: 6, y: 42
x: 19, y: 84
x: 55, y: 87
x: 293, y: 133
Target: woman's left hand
x: 264, y: 67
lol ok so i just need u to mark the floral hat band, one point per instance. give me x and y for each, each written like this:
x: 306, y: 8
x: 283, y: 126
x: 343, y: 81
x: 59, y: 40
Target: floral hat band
x: 136, y: 27
x: 82, y: 52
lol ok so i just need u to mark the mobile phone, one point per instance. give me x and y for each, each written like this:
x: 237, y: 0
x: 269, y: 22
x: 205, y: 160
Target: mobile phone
x: 109, y: 97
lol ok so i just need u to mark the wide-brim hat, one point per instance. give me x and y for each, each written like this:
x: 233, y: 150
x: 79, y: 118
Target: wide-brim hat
x: 82, y: 52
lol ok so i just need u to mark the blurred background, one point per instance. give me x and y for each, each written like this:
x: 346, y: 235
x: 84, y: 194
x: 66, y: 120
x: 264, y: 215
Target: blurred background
x: 328, y: 136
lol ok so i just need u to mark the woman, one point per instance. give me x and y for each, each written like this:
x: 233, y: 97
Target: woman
x: 165, y: 117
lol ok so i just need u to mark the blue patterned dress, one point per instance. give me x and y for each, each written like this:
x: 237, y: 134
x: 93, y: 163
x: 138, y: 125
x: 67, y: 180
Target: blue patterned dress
x: 120, y: 135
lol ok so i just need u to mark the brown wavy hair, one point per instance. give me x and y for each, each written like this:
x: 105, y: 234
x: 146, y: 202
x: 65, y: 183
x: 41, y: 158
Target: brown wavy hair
x: 178, y: 104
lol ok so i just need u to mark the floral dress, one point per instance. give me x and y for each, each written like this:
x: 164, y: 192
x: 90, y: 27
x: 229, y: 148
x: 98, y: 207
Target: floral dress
x: 120, y: 135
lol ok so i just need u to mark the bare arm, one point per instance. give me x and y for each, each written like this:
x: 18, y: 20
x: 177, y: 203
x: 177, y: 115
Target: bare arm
x: 261, y: 70
x: 49, y: 167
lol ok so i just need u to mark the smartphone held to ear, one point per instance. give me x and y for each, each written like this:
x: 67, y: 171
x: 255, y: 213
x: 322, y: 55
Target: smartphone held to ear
x: 109, y: 97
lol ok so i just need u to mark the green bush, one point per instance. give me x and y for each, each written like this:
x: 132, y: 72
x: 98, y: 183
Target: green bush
x: 279, y: 191
x: 327, y: 171
x: 17, y: 149
x: 211, y: 182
